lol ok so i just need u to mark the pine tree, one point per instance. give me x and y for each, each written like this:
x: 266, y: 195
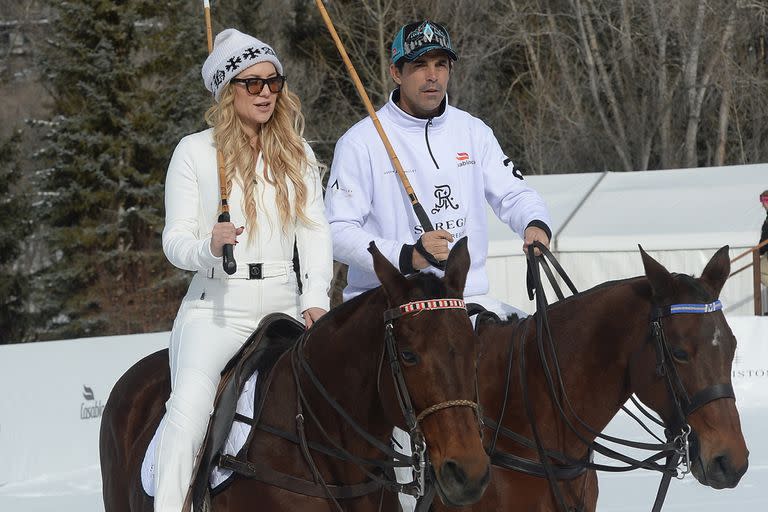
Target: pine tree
x: 124, y: 76
x: 14, y: 228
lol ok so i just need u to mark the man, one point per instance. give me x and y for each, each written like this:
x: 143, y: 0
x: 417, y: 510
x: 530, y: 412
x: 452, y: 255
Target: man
x: 453, y: 162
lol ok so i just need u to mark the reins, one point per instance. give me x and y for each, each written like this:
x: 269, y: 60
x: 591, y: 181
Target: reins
x: 676, y: 448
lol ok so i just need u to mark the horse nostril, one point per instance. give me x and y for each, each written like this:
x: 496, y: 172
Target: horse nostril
x: 451, y: 470
x: 723, y: 464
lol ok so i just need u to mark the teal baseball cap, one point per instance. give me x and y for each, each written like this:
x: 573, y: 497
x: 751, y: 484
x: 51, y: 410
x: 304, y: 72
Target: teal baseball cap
x: 415, y: 39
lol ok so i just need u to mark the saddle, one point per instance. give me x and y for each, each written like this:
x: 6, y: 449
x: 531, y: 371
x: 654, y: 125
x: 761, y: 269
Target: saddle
x: 276, y: 333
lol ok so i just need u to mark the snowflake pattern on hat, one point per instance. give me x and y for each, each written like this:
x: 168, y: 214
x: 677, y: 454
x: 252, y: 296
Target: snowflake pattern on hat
x: 232, y: 53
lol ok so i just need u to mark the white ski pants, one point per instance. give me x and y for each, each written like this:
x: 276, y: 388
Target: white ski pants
x: 215, y: 318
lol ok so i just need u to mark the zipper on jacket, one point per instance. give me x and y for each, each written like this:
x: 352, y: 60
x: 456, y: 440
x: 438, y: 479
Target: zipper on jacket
x: 426, y: 137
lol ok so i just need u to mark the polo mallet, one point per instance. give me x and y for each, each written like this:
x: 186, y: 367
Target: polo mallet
x: 421, y: 215
x: 228, y: 260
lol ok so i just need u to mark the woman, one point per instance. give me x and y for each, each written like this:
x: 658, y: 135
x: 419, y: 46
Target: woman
x: 275, y: 197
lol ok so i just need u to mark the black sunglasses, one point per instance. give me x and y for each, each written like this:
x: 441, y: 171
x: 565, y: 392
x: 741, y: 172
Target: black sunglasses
x: 254, y: 86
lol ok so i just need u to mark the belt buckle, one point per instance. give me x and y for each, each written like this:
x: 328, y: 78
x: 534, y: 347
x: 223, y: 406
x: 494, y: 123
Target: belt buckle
x: 255, y: 271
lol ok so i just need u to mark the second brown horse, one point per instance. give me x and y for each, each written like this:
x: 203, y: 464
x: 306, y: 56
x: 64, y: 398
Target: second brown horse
x: 606, y: 351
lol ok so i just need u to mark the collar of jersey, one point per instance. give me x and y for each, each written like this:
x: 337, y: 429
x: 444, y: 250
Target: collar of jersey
x: 407, y: 122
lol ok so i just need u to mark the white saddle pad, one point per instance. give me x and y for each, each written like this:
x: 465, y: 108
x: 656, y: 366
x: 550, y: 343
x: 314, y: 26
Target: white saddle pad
x: 235, y: 441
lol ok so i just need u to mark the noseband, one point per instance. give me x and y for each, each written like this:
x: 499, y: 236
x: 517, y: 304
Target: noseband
x: 412, y: 420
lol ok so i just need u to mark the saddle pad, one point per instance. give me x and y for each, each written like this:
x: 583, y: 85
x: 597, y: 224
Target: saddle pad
x: 235, y: 441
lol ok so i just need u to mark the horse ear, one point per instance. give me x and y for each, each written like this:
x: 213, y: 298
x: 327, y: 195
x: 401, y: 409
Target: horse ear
x: 394, y: 283
x: 717, y: 270
x: 457, y: 266
x: 659, y: 277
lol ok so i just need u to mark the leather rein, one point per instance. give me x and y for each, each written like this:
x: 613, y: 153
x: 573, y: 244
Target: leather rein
x: 380, y: 478
x: 676, y: 449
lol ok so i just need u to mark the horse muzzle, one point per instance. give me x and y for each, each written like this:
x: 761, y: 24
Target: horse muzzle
x: 459, y: 485
x: 719, y: 471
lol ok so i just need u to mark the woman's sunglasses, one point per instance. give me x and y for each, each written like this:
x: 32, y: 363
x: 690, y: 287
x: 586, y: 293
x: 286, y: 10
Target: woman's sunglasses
x: 254, y: 86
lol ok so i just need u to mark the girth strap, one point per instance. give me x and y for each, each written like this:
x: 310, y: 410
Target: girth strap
x: 270, y: 476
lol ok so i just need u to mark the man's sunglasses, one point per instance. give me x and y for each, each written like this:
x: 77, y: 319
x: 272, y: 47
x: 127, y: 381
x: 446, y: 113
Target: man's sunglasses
x: 254, y: 86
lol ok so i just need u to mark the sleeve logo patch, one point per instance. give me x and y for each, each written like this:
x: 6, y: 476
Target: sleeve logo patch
x: 517, y: 172
x: 335, y: 187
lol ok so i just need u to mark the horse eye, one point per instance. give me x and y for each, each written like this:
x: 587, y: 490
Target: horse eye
x: 679, y: 354
x: 409, y: 358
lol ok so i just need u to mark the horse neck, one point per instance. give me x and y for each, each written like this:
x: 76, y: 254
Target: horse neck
x: 612, y: 324
x: 344, y: 352
x: 595, y: 334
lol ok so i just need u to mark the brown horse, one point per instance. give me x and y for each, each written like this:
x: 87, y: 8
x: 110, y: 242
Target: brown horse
x: 609, y: 343
x: 434, y: 373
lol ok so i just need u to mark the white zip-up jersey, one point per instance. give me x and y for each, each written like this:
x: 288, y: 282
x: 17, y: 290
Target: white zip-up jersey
x: 454, y: 164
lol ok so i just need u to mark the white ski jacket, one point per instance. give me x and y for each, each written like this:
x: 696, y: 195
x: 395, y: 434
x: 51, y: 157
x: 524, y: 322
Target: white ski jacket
x: 192, y: 201
x: 454, y: 164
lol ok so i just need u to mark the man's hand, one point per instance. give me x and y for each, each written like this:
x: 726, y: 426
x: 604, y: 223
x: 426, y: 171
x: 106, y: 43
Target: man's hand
x: 224, y: 233
x: 534, y: 234
x: 435, y: 243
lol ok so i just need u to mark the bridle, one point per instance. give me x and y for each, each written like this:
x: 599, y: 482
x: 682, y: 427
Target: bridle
x: 684, y: 405
x: 412, y: 420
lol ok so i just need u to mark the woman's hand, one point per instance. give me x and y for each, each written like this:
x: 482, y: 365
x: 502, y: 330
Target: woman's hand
x: 224, y: 233
x: 311, y: 315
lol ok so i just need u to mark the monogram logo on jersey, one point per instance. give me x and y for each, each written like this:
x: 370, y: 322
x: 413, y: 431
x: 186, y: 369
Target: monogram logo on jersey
x: 444, y: 199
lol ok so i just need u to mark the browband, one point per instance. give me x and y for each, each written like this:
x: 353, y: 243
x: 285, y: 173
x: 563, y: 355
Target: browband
x: 676, y: 309
x: 423, y: 305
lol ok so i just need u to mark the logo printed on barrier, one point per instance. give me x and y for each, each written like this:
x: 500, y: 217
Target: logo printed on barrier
x: 90, y: 408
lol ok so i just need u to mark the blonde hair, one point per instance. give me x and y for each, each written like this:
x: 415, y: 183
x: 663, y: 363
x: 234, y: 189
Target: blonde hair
x: 282, y: 147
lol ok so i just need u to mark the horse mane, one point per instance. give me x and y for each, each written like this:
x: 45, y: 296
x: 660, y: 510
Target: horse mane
x: 691, y: 283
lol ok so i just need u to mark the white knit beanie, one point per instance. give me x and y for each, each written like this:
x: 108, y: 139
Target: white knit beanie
x: 232, y: 53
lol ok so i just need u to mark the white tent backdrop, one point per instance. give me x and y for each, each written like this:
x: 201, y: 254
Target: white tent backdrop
x: 680, y: 217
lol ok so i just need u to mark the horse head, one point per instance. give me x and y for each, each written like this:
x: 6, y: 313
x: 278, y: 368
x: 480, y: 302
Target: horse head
x: 434, y: 351
x: 692, y: 348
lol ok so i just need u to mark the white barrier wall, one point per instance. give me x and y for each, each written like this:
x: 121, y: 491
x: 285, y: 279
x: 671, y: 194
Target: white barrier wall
x: 53, y: 394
